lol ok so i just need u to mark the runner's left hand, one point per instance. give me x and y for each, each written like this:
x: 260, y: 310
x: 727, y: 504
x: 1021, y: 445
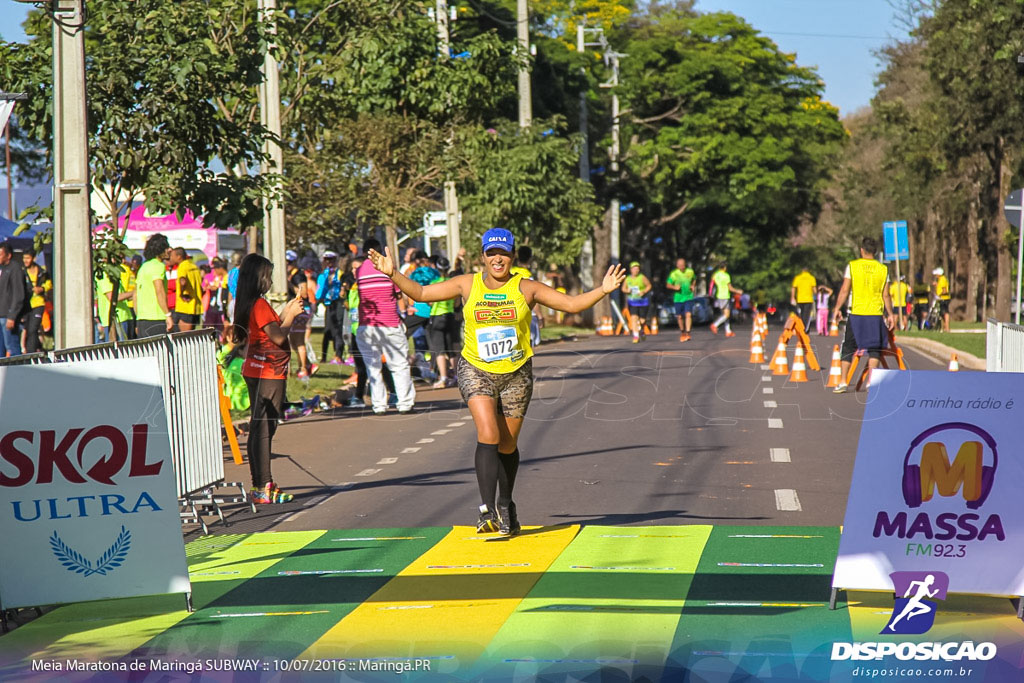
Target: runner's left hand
x: 615, y: 276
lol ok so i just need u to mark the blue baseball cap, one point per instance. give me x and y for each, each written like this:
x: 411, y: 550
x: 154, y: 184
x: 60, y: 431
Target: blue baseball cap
x: 499, y: 238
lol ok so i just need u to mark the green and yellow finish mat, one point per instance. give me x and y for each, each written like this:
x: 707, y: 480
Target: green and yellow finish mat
x: 565, y: 603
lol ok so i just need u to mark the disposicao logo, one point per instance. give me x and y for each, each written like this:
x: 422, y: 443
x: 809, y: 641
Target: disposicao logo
x: 914, y: 613
x: 927, y: 470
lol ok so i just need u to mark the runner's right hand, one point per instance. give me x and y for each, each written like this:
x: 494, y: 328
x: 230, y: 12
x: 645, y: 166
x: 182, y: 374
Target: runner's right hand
x: 382, y: 262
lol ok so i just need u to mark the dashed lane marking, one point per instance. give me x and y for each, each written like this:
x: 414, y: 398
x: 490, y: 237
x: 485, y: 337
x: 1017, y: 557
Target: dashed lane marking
x: 425, y: 441
x: 771, y: 404
x: 774, y: 423
x: 786, y: 500
x: 766, y: 366
x: 780, y: 455
x: 767, y: 390
x: 766, y: 378
x: 387, y: 461
x: 440, y: 432
x: 368, y: 472
x: 410, y: 449
x: 455, y: 424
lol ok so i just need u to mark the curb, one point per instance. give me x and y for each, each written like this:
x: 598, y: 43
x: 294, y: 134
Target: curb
x: 941, y: 352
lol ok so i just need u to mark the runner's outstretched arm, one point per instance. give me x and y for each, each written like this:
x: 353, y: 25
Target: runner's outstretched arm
x: 537, y: 292
x: 441, y: 291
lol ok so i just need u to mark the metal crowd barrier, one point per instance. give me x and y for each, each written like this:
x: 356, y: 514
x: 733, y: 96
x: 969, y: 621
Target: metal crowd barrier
x: 188, y: 368
x: 1004, y: 347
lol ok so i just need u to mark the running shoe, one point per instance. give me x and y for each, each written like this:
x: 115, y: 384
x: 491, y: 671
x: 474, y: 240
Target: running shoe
x: 313, y: 368
x: 486, y: 524
x: 714, y: 328
x: 349, y: 361
x: 337, y: 361
x: 270, y: 495
x: 636, y: 340
x: 508, y: 521
x: 841, y: 389
x: 393, y: 400
x: 730, y: 333
x: 355, y: 402
x: 684, y: 337
x: 302, y: 375
x: 440, y: 383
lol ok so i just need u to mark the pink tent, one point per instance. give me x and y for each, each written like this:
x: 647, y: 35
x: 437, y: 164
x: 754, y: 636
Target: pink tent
x: 188, y: 232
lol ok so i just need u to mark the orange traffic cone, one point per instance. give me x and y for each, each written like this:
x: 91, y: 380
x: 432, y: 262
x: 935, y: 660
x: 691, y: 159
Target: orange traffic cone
x: 833, y: 331
x: 954, y: 364
x: 780, y: 364
x: 654, y: 324
x: 799, y: 373
x: 835, y: 373
x: 756, y: 350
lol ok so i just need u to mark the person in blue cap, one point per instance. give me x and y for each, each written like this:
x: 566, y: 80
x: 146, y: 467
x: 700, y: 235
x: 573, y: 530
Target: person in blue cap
x: 495, y: 374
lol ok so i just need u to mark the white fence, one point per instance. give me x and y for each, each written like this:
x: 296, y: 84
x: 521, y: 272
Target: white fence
x: 1004, y: 347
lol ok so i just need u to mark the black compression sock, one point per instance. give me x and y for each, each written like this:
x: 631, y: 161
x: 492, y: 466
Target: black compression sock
x: 507, y: 476
x: 488, y: 469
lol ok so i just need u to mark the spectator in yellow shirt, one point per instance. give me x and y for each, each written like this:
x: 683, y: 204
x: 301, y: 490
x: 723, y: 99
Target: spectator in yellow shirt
x: 940, y: 290
x: 802, y: 296
x: 40, y: 285
x: 900, y: 293
x: 188, y: 304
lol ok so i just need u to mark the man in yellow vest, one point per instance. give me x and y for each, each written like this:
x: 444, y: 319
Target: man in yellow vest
x: 866, y: 329
x: 940, y: 289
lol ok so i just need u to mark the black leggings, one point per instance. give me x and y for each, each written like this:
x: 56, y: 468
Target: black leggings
x: 33, y: 321
x: 333, y: 320
x: 266, y: 400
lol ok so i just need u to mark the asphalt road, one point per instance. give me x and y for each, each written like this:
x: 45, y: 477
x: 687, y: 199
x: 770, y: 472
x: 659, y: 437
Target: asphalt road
x: 660, y: 432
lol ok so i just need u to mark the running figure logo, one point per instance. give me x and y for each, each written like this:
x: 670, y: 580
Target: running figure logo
x: 914, y: 613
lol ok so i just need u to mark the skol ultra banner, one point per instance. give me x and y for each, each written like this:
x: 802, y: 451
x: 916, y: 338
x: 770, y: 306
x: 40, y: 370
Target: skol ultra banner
x: 88, y: 507
x: 938, y: 483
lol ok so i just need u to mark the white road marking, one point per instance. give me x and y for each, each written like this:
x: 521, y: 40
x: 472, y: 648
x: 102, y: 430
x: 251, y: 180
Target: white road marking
x: 780, y: 455
x: 767, y: 390
x: 456, y: 424
x: 410, y: 449
x: 771, y: 404
x: 787, y: 501
x: 766, y: 367
x: 425, y: 441
x: 367, y: 472
x: 774, y: 423
x: 387, y: 461
x: 766, y: 378
x: 440, y: 432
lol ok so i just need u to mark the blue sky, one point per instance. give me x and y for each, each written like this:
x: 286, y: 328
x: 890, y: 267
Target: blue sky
x: 836, y: 36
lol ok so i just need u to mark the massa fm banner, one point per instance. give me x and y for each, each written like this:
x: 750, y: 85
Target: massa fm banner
x: 938, y: 483
x: 88, y: 508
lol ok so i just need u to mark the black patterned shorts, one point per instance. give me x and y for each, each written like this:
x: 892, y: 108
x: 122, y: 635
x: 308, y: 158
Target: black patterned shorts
x: 512, y: 390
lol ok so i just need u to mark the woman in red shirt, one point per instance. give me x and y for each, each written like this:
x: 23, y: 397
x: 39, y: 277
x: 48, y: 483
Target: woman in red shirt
x: 265, y: 369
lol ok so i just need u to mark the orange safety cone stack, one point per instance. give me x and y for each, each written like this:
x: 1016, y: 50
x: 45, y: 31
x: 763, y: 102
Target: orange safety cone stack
x: 756, y: 350
x: 780, y: 364
x: 835, y: 373
x: 833, y: 331
x: 799, y: 373
x: 954, y: 364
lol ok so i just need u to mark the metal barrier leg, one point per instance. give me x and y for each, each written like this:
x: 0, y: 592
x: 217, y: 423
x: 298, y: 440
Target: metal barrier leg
x: 188, y: 602
x: 832, y: 598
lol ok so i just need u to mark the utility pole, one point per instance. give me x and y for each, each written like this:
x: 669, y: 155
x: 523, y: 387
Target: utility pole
x: 270, y: 115
x: 612, y: 58
x: 523, y: 38
x: 587, y: 254
x: 72, y: 244
x: 7, y: 100
x: 451, y: 197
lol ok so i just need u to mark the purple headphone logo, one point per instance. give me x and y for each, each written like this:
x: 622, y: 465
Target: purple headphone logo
x: 934, y: 469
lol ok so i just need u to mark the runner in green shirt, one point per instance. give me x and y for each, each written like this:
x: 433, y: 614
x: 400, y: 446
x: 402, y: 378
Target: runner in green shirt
x: 680, y: 281
x: 722, y: 285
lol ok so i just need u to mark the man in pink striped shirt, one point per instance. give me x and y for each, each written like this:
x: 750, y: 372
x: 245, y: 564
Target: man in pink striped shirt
x: 380, y: 334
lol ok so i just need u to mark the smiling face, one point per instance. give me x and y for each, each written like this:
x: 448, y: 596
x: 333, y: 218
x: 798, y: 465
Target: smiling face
x: 498, y: 262
x: 634, y: 270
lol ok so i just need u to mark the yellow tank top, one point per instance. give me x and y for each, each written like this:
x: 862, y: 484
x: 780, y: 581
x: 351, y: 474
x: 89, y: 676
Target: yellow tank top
x: 497, y: 325
x: 868, y: 278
